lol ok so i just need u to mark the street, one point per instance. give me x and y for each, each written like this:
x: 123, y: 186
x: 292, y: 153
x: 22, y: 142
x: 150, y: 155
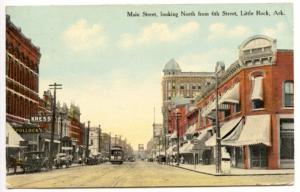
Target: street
x: 135, y: 174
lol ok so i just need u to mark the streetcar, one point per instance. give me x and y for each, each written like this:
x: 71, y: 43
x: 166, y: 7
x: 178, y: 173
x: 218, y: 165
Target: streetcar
x: 116, y: 155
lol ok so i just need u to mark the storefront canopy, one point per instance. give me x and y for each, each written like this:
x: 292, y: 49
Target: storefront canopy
x: 257, y: 93
x: 232, y: 95
x: 224, y: 130
x: 186, y: 148
x: 13, y: 137
x: 174, y: 135
x: 191, y: 130
x: 255, y: 131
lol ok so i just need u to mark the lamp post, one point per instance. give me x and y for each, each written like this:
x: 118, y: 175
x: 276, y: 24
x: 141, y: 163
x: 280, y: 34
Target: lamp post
x: 219, y: 67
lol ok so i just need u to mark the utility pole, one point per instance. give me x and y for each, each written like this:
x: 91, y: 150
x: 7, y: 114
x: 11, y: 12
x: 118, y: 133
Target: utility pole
x: 61, y: 128
x: 54, y: 86
x: 87, y: 141
x: 177, y: 128
x: 115, y: 139
x: 109, y: 143
x: 99, y: 138
x: 219, y: 66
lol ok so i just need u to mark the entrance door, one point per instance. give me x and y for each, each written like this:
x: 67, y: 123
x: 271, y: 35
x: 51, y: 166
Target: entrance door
x: 258, y: 156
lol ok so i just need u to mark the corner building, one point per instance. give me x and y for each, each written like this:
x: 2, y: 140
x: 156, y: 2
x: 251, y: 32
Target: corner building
x: 22, y: 75
x: 256, y: 106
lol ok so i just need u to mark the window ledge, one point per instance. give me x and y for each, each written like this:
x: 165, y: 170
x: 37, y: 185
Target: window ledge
x: 287, y: 108
x: 259, y: 109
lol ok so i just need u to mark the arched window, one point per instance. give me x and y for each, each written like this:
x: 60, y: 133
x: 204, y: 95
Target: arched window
x: 288, y: 93
x: 257, y: 97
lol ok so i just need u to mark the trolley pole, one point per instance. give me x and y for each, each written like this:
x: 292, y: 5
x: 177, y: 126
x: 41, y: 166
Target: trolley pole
x: 54, y: 86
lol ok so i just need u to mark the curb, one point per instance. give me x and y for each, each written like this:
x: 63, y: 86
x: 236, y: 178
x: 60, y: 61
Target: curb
x: 226, y: 174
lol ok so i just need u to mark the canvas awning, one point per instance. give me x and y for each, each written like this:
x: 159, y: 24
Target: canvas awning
x: 13, y: 138
x: 257, y: 93
x: 174, y: 135
x: 191, y: 130
x: 171, y: 149
x: 186, y: 148
x: 224, y: 130
x: 230, y: 140
x: 255, y: 131
x: 203, y: 133
x: 232, y: 95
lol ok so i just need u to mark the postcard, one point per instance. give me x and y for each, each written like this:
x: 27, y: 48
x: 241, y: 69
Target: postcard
x: 135, y: 96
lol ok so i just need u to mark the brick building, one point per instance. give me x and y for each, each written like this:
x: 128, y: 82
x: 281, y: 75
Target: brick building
x: 176, y: 83
x: 255, y: 108
x: 256, y: 100
x: 22, y: 75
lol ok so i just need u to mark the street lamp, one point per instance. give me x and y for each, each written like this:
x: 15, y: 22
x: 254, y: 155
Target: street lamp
x: 219, y: 67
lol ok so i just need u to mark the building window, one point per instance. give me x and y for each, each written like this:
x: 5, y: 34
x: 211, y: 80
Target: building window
x: 257, y: 93
x: 237, y: 107
x: 193, y: 87
x: 181, y: 86
x: 199, y: 87
x: 289, y: 94
x: 287, y: 139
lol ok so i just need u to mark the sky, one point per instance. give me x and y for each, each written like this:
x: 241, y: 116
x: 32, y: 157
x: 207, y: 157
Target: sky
x: 111, y: 65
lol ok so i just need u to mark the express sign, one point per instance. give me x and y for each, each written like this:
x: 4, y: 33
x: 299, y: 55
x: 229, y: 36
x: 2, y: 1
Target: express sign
x: 41, y: 119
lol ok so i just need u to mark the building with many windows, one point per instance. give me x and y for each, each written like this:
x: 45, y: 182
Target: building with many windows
x: 176, y: 83
x: 255, y: 109
x: 22, y: 87
x: 22, y: 75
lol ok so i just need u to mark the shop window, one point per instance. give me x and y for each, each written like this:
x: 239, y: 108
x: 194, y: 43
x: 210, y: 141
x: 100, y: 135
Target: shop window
x: 289, y: 94
x: 287, y: 139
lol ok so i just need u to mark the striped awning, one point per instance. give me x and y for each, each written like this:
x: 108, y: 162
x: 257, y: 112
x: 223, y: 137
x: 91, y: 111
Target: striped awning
x: 224, y: 130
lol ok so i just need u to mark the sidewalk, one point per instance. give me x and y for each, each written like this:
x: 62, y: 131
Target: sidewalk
x: 211, y: 170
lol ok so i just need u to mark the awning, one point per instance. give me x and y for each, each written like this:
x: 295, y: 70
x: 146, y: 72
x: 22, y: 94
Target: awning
x: 174, y: 135
x: 230, y: 140
x: 171, y: 149
x: 257, y: 93
x: 186, y: 148
x: 203, y: 133
x: 224, y: 130
x: 255, y: 131
x: 12, y: 136
x: 67, y: 148
x: 232, y: 95
x: 191, y: 130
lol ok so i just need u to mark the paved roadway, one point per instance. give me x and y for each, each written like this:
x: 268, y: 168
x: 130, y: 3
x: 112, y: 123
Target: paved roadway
x: 134, y: 174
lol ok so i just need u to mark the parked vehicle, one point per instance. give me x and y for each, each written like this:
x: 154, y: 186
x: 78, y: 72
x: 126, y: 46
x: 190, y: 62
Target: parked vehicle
x: 34, y: 161
x: 131, y: 159
x: 62, y: 159
x: 116, y: 155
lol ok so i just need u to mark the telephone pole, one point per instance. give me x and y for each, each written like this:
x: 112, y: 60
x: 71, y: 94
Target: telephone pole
x: 54, y: 86
x: 99, y: 138
x: 87, y: 141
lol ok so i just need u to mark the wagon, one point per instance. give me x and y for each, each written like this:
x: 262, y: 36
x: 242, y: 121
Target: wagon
x: 35, y: 161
